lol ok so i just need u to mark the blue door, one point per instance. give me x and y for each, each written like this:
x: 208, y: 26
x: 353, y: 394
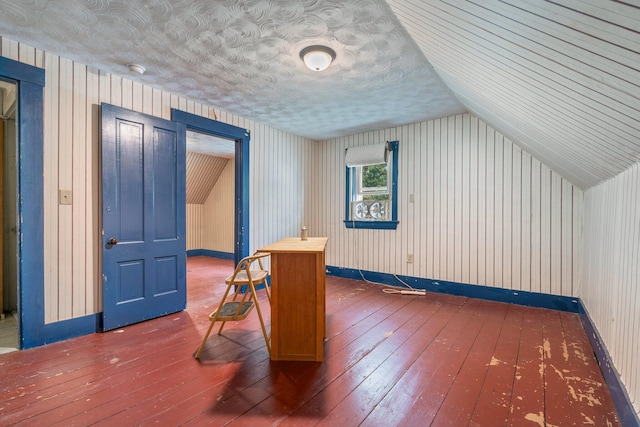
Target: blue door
x: 143, y: 217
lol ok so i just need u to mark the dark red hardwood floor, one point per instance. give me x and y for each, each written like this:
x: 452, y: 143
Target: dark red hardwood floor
x: 389, y: 360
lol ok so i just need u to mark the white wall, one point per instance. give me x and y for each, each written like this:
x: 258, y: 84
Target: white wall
x: 610, y: 289
x: 485, y: 211
x: 73, y: 93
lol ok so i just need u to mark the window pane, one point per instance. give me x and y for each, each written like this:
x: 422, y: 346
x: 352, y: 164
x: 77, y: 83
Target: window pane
x: 370, y: 194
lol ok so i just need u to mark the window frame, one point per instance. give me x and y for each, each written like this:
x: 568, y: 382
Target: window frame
x: 351, y: 186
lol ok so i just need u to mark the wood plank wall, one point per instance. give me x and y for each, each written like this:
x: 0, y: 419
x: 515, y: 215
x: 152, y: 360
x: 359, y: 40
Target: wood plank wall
x: 610, y: 288
x: 202, y: 174
x: 484, y: 212
x: 73, y: 93
x: 194, y: 220
x: 218, y: 213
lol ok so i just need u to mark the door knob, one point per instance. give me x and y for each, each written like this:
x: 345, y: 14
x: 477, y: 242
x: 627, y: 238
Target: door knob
x: 113, y: 241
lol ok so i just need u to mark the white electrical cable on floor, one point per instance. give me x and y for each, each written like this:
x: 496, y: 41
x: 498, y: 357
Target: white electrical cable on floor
x: 388, y: 290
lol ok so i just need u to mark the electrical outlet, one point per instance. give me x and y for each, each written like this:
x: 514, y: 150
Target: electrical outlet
x: 409, y: 258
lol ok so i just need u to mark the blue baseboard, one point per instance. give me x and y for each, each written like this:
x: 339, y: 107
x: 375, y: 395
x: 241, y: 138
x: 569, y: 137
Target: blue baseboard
x: 624, y: 407
x: 210, y: 253
x: 531, y: 299
x: 66, y: 329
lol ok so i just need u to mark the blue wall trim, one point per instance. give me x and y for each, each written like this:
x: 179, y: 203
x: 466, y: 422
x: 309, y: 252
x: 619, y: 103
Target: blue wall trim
x: 531, y: 299
x: 624, y: 407
x: 72, y: 328
x: 21, y: 72
x: 242, y: 138
x: 373, y: 225
x: 30, y: 81
x: 210, y: 253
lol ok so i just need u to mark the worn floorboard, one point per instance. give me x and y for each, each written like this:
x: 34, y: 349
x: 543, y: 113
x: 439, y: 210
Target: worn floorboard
x: 389, y: 360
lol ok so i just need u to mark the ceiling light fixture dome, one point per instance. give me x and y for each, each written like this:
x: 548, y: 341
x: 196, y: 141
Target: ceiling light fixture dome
x: 317, y: 57
x: 136, y: 68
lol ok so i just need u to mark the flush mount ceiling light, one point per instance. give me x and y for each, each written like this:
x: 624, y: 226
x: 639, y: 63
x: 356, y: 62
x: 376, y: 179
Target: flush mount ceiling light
x: 317, y: 58
x: 136, y: 68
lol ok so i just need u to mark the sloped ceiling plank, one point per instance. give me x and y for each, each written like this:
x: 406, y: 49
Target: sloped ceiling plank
x: 202, y: 174
x: 631, y: 131
x: 609, y: 40
x: 570, y: 103
x: 505, y: 23
x: 583, y: 53
x: 611, y: 11
x: 532, y: 86
x: 522, y: 104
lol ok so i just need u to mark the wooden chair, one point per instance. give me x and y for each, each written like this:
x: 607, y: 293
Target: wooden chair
x: 238, y: 304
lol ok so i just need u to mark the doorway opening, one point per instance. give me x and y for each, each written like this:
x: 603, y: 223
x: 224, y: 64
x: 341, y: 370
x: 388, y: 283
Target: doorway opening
x: 210, y: 195
x: 240, y: 139
x: 9, y: 316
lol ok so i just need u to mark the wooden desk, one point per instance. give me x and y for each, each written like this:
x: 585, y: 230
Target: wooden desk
x: 297, y: 298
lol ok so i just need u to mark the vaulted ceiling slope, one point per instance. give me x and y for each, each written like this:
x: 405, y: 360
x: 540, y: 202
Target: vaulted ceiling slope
x: 561, y: 78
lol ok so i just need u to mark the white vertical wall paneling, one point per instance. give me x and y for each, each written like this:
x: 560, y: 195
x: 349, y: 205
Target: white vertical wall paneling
x: 566, y: 231
x: 508, y: 205
x: 545, y: 229
x: 50, y: 185
x: 465, y: 235
x: 611, y: 274
x: 515, y: 256
x: 535, y: 215
x: 493, y: 215
x: 498, y: 209
x: 456, y: 167
x: 555, y: 226
x: 65, y: 173
x: 481, y: 216
x: 438, y: 173
x: 474, y: 213
x: 194, y: 215
x: 10, y: 49
x: 126, y: 93
x: 79, y: 181
x: 525, y: 270
x: 490, y: 218
x: 93, y: 273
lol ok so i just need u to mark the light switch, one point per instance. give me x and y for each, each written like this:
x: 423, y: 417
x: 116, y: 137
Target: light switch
x: 65, y: 197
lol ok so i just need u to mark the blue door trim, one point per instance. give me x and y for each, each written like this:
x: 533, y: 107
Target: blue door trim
x: 242, y: 138
x: 30, y: 84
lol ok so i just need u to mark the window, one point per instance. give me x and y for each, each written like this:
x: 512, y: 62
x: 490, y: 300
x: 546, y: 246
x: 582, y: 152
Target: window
x: 371, y: 191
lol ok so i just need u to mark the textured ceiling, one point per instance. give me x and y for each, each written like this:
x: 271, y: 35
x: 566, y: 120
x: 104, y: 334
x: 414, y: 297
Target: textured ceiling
x: 243, y: 57
x: 210, y: 145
